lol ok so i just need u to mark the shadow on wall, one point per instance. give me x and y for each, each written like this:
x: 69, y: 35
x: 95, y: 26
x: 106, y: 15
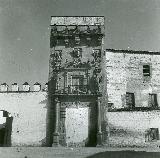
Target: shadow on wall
x: 5, y: 128
x: 43, y: 142
x: 45, y: 102
x: 126, y: 154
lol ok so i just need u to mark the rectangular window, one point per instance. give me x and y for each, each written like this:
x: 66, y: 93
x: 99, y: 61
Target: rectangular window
x: 77, y: 83
x: 153, y: 100
x: 152, y: 134
x: 77, y: 80
x: 130, y: 100
x: 146, y: 70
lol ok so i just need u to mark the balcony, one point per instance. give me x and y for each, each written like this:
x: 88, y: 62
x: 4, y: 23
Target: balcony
x: 76, y: 89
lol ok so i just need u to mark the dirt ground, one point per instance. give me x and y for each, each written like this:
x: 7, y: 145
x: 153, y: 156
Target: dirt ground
x: 43, y: 152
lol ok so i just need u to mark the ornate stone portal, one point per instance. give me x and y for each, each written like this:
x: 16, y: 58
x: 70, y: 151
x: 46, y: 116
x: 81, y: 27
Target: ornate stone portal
x: 76, y: 79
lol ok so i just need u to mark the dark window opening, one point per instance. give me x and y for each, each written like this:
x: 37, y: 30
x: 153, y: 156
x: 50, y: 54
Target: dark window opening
x: 146, y: 70
x: 153, y: 100
x: 130, y: 100
x: 6, y: 129
x: 152, y: 134
x: 2, y: 135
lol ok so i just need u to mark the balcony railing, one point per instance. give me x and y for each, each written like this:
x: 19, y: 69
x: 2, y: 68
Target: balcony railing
x: 76, y: 89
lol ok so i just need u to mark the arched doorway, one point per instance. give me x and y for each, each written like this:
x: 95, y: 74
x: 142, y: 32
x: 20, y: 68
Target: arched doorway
x: 5, y: 128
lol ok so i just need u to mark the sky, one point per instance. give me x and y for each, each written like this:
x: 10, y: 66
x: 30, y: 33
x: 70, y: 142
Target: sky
x: 25, y: 31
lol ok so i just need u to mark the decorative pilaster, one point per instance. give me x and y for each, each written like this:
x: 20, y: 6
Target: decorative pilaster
x: 62, y: 125
x: 56, y: 131
x: 99, y: 132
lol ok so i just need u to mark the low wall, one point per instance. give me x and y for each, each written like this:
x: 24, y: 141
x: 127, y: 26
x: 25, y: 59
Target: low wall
x: 128, y: 128
x: 29, y: 117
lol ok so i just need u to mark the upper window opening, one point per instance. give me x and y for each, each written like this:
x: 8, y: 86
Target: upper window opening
x: 130, y: 100
x: 146, y: 70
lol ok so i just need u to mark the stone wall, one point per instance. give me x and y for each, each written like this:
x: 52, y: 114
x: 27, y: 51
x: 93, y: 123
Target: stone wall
x: 128, y: 129
x: 125, y: 74
x: 28, y: 110
x: 74, y: 75
x: 81, y: 20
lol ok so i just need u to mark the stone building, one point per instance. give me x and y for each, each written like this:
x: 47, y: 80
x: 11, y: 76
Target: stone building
x: 93, y: 96
x: 133, y: 86
x: 76, y: 114
x: 22, y: 115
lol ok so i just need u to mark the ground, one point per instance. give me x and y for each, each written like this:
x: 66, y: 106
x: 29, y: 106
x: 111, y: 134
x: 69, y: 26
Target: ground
x: 37, y: 152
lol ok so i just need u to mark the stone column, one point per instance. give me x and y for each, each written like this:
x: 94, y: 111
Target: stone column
x: 99, y: 132
x: 105, y: 127
x: 63, y: 128
x: 56, y: 131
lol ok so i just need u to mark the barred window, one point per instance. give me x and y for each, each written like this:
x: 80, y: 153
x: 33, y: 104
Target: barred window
x: 146, y: 70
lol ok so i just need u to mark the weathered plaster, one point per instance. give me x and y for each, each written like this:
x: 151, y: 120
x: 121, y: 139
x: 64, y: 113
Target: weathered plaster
x: 125, y: 74
x: 29, y: 117
x: 77, y: 20
x: 128, y: 129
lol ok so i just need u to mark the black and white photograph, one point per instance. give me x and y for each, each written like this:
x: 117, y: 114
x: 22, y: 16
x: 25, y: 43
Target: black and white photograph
x: 79, y: 78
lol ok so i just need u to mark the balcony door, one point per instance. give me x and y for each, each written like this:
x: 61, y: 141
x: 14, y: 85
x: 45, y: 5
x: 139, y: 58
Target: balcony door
x: 77, y: 84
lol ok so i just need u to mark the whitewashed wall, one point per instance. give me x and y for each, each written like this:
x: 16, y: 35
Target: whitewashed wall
x: 29, y: 117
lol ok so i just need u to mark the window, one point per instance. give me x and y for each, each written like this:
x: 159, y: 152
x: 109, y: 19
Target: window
x: 77, y: 80
x: 130, y: 100
x: 77, y: 83
x: 146, y: 70
x: 152, y: 134
x: 153, y: 100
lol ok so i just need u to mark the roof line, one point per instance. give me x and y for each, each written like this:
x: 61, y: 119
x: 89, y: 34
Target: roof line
x: 78, y: 16
x: 133, y: 51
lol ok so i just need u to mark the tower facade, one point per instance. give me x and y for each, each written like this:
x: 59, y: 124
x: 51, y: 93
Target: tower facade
x: 76, y: 81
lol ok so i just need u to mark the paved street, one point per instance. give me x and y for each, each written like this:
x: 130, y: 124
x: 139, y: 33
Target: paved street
x: 36, y: 152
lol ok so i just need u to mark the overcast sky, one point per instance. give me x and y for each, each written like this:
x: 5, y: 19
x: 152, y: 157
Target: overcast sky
x: 25, y: 28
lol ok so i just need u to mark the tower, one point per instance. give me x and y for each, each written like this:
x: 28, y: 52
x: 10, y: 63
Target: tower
x: 76, y: 77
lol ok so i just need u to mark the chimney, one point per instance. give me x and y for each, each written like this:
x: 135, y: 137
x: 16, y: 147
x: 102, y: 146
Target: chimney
x: 4, y: 87
x: 37, y: 87
x: 26, y: 87
x: 15, y: 87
